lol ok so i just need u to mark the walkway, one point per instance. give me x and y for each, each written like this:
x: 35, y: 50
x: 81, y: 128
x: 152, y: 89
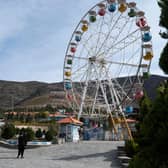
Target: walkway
x: 89, y: 154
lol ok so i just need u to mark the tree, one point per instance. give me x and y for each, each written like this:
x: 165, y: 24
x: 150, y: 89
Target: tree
x: 29, y: 134
x: 49, y: 135
x: 153, y: 130
x: 21, y: 117
x: 145, y: 107
x: 29, y: 118
x: 163, y: 4
x: 53, y: 127
x: 163, y: 61
x: 49, y: 108
x: 8, y: 131
x: 132, y: 146
x: 52, y: 131
x: 17, y: 130
x: 39, y: 133
x: 43, y: 115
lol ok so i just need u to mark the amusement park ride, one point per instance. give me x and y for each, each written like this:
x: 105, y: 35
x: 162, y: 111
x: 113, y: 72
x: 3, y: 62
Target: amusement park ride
x: 107, y: 59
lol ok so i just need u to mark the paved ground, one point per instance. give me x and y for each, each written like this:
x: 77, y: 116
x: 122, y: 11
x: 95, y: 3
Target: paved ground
x: 90, y: 154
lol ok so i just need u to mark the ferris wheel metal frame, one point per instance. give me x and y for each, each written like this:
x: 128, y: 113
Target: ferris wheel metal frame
x: 98, y: 56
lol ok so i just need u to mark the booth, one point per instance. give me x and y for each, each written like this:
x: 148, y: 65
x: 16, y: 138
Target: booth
x: 69, y: 129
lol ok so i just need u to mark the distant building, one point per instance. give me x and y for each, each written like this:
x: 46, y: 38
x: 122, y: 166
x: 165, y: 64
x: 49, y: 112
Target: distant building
x: 56, y: 116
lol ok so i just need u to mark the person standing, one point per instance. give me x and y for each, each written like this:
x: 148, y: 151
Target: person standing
x: 21, y: 145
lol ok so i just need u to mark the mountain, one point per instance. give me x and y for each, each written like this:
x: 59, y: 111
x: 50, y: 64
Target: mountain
x: 29, y: 93
x: 21, y: 94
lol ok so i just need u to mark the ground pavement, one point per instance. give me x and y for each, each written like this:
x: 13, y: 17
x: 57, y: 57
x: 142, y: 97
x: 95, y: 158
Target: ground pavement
x: 88, y: 154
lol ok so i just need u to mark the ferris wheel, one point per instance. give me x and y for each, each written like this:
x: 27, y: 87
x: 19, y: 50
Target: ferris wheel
x: 107, y: 59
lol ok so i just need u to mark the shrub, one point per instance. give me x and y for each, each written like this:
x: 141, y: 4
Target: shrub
x: 8, y: 131
x: 39, y: 133
x: 29, y: 134
x: 49, y: 135
x: 131, y: 147
x: 17, y: 130
x: 139, y: 162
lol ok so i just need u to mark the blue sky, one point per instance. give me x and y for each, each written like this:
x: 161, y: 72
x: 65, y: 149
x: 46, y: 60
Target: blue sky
x: 34, y: 35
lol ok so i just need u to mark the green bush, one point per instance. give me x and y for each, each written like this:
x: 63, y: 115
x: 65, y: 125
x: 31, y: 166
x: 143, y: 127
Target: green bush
x: 17, y: 130
x: 39, y: 133
x: 131, y: 147
x: 144, y: 159
x: 8, y: 131
x: 153, y: 137
x: 163, y: 61
x: 29, y: 134
x: 139, y: 162
x: 49, y: 135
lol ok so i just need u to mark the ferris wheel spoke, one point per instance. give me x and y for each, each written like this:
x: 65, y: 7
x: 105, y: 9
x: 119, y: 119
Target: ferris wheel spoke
x: 95, y: 98
x: 101, y: 27
x: 108, y: 61
x: 99, y: 81
x: 120, y: 88
x: 82, y: 58
x: 104, y: 94
x: 99, y: 35
x: 122, y: 63
x: 84, y: 94
x: 89, y: 50
x: 126, y: 37
x: 128, y: 60
x: 79, y: 68
x: 81, y: 76
x: 122, y: 41
x: 116, y: 90
x: 134, y: 59
x: 131, y: 25
x: 89, y: 75
x: 85, y: 43
x: 123, y: 48
x: 118, y: 35
x: 108, y: 34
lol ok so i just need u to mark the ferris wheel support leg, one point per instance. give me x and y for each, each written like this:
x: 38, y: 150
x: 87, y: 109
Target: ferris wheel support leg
x: 108, y: 109
x: 95, y: 99
x: 83, y: 98
x: 128, y: 128
x: 120, y: 108
x: 85, y: 90
x: 126, y: 124
x: 106, y: 102
x: 113, y: 93
x: 113, y: 123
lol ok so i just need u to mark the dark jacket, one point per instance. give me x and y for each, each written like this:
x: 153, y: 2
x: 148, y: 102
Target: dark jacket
x: 21, y: 141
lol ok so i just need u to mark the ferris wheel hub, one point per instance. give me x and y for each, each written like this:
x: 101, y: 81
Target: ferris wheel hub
x: 92, y: 59
x: 100, y: 61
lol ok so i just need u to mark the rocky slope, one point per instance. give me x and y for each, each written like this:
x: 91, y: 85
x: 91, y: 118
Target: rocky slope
x: 40, y: 94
